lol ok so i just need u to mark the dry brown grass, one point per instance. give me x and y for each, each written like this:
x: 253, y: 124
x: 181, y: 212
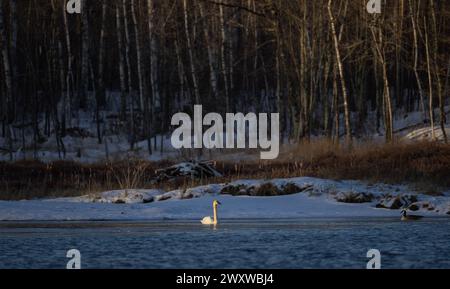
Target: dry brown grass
x: 424, y: 165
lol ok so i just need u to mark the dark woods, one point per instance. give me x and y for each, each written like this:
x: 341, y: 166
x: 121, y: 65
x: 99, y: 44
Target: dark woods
x: 326, y: 66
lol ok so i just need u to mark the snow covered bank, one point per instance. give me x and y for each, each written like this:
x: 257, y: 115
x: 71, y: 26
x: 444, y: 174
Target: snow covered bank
x: 316, y: 198
x: 81, y: 142
x: 426, y: 134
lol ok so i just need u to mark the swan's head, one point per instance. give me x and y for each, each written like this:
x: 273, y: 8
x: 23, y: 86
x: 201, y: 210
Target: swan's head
x: 216, y: 203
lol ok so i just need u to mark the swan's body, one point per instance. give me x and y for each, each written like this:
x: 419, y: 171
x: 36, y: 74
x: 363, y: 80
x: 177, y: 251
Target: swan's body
x: 406, y: 217
x: 208, y: 221
x: 211, y: 220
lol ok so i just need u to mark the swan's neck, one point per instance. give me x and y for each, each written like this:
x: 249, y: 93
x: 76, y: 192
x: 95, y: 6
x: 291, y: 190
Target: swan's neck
x: 215, y: 214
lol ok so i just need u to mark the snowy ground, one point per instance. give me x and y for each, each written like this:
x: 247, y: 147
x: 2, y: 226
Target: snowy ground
x: 318, y: 198
x: 82, y: 145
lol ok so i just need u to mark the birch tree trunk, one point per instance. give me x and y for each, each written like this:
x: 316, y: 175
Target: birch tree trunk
x: 341, y: 73
x: 430, y: 82
x: 416, y: 58
x: 379, y: 47
x: 442, y: 116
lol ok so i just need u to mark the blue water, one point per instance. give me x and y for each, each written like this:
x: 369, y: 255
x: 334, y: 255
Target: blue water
x: 311, y: 243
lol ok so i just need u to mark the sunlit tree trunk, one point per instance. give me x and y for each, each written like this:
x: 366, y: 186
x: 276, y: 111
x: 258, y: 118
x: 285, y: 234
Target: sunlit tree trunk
x: 341, y: 73
x: 416, y: 57
x: 378, y: 40
x: 430, y: 81
x: 442, y: 116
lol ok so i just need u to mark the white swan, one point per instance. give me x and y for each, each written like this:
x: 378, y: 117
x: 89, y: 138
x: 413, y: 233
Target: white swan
x: 212, y: 221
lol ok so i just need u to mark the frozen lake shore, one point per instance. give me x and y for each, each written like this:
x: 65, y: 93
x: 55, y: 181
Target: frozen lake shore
x: 302, y: 198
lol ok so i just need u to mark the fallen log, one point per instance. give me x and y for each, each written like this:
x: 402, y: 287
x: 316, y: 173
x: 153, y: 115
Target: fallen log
x: 192, y: 169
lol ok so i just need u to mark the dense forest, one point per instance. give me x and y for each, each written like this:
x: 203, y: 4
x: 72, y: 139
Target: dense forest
x: 326, y: 66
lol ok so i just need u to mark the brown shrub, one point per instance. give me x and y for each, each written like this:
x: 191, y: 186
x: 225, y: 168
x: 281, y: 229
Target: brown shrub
x: 425, y: 165
x: 266, y: 190
x: 291, y: 188
x: 234, y: 190
x: 354, y: 198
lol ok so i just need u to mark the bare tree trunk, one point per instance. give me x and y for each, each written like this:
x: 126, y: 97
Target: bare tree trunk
x: 97, y: 104
x: 416, y: 58
x: 83, y: 93
x: 181, y: 73
x: 398, y: 24
x: 223, y: 58
x: 101, y: 59
x: 8, y: 81
x: 130, y: 85
x: 153, y: 53
x: 388, y: 103
x: 212, y: 70
x: 156, y: 99
x: 447, y: 78
x: 138, y: 53
x: 336, y: 106
x: 123, y: 99
x: 430, y: 81
x: 255, y: 86
x: 388, y: 118
x: 6, y: 64
x: 66, y: 118
x: 191, y: 55
x: 143, y: 99
x: 442, y: 116
x: 59, y: 128
x: 341, y: 73
x: 231, y: 65
x: 13, y: 53
x: 278, y: 71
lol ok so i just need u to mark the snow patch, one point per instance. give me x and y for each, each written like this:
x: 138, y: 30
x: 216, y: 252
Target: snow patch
x: 320, y: 199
